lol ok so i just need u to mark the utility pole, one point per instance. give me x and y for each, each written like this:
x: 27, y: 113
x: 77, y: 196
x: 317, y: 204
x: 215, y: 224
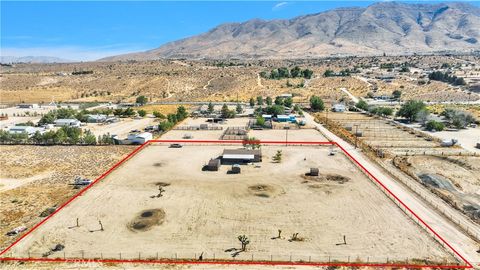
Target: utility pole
x: 356, y: 134
x: 286, y: 134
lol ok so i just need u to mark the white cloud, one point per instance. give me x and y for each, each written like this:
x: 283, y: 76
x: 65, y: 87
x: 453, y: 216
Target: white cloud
x: 279, y: 5
x: 75, y: 53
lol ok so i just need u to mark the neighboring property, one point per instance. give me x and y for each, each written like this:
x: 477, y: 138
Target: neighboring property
x: 28, y: 106
x: 286, y: 95
x: 96, y: 118
x: 139, y: 138
x: 237, y: 156
x: 22, y: 129
x: 67, y: 123
x: 338, y: 107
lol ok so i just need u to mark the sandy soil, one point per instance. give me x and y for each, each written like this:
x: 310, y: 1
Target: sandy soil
x: 459, y: 174
x: 206, y: 211
x: 33, y: 178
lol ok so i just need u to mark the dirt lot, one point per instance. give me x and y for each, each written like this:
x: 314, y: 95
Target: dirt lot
x: 33, y: 178
x: 205, y: 211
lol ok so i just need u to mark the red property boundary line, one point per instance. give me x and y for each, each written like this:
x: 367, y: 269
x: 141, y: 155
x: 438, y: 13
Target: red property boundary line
x: 218, y: 262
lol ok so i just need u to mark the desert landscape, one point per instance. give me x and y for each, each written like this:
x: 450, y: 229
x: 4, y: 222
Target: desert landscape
x: 252, y: 135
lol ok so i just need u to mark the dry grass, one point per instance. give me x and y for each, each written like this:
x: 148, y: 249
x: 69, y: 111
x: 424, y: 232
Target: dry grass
x: 55, y: 167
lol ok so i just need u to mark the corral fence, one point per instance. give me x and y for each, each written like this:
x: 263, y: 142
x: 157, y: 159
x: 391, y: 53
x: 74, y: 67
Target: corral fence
x: 188, y: 127
x: 246, y: 256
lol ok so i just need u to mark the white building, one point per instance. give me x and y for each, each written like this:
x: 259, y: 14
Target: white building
x: 139, y: 138
x: 96, y: 118
x: 28, y: 106
x: 22, y: 129
x: 338, y: 107
x: 67, y: 123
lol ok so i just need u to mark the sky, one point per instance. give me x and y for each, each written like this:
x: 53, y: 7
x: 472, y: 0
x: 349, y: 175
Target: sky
x: 90, y: 30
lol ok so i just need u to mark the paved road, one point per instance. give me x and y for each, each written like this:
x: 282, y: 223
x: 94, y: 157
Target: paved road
x: 461, y: 242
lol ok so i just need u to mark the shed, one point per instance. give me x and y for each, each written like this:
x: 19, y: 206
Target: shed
x: 139, y: 138
x: 213, y: 164
x: 236, y: 156
x: 313, y: 172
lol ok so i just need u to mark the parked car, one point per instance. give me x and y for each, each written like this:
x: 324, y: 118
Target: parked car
x: 176, y: 145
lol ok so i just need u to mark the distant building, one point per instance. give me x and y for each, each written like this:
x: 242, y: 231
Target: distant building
x: 286, y: 118
x: 267, y: 117
x: 339, y: 107
x: 22, y: 129
x: 28, y: 106
x: 236, y: 156
x: 286, y: 95
x: 139, y: 138
x: 96, y: 118
x: 67, y: 123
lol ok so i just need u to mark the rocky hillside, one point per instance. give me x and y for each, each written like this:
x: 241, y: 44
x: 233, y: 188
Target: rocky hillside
x: 386, y: 27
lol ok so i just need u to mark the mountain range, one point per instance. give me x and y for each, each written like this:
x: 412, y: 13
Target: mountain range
x: 32, y: 59
x: 384, y: 27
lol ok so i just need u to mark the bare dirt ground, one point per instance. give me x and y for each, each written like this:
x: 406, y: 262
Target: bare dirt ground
x: 122, y: 127
x: 205, y: 211
x: 33, y: 178
x: 455, y: 179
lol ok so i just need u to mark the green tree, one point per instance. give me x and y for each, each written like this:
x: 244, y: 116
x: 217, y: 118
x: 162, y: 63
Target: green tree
x: 316, y: 103
x: 225, y: 111
x: 158, y: 114
x: 295, y: 72
x: 362, y: 104
x: 433, y: 125
x: 288, y: 102
x: 252, y: 102
x: 278, y: 156
x: 328, y: 73
x: 210, y: 108
x: 260, y: 101
x: 142, y: 100
x: 89, y: 138
x: 239, y: 108
x: 60, y: 136
x: 260, y: 121
x: 278, y: 100
x: 397, y: 94
x: 410, y: 109
x: 275, y: 110
x: 142, y: 113
x: 181, y: 113
x: 268, y: 100
x: 307, y: 73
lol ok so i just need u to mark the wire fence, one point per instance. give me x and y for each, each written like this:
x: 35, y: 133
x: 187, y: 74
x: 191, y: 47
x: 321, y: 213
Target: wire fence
x: 245, y: 256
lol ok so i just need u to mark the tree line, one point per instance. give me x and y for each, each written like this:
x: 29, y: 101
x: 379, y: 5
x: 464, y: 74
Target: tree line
x: 446, y: 77
x: 64, y: 135
x: 284, y: 72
